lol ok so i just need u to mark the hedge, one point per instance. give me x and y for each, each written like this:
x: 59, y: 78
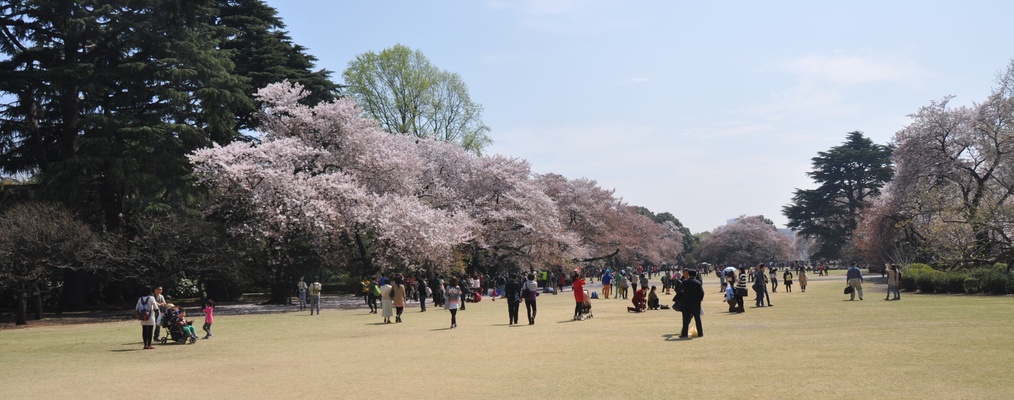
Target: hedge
x: 926, y: 279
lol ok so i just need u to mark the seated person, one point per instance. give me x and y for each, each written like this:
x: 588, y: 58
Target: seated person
x: 652, y: 299
x: 188, y: 326
x: 638, y: 301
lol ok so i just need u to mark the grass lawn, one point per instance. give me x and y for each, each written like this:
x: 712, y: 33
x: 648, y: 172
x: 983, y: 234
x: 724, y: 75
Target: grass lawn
x: 809, y: 345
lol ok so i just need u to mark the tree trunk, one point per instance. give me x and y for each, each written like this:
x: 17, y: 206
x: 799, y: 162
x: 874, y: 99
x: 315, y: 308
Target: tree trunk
x: 22, y: 308
x: 38, y: 304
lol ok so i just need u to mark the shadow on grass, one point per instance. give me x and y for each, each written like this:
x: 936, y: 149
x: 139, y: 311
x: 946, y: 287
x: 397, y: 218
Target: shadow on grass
x: 440, y: 329
x: 124, y: 350
x: 674, y: 337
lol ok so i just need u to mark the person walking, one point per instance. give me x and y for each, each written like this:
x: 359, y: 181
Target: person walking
x: 373, y: 295
x: 454, y: 300
x: 644, y: 282
x: 607, y: 284
x: 512, y: 291
x: 854, y: 277
x: 760, y: 285
x: 422, y: 291
x: 788, y: 280
x: 301, y: 286
x: 693, y: 295
x: 386, y: 302
x: 148, y: 324
x: 209, y: 318
x: 578, y: 284
x: 774, y: 279
x: 802, y: 279
x: 315, y: 289
x: 437, y: 286
x: 530, y: 291
x: 893, y: 279
x: 399, y: 297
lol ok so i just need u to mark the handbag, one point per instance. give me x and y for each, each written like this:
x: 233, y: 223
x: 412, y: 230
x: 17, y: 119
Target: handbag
x: 848, y: 289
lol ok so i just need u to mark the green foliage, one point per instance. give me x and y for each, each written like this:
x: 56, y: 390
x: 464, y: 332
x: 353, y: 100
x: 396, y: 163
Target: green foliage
x: 401, y: 89
x: 848, y: 175
x: 990, y: 280
x: 263, y: 53
x: 105, y: 99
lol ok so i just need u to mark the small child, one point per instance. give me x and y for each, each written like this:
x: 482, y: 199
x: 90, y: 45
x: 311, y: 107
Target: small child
x: 788, y: 280
x: 209, y: 310
x: 188, y: 326
x: 652, y: 299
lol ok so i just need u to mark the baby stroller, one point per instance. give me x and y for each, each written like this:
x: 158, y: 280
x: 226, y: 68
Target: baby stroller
x: 586, y: 311
x: 174, y: 331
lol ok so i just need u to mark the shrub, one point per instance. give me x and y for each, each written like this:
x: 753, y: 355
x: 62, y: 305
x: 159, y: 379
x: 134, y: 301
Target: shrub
x: 972, y: 285
x: 992, y: 280
x: 952, y: 282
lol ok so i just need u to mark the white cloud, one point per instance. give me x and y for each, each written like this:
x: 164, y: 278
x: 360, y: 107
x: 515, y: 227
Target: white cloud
x: 838, y: 85
x: 847, y: 69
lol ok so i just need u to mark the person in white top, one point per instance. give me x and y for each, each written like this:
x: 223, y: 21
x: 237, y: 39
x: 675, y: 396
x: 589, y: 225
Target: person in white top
x: 148, y: 325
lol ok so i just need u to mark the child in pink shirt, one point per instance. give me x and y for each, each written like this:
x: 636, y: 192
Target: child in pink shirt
x: 209, y: 317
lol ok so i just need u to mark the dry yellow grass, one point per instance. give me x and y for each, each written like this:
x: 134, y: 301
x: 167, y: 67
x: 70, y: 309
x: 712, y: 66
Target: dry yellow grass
x: 810, y: 345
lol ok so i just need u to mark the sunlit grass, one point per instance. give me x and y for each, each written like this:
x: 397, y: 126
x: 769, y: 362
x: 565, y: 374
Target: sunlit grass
x: 810, y: 345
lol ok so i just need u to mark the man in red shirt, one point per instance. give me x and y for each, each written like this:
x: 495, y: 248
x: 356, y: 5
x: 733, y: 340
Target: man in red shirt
x: 639, y: 301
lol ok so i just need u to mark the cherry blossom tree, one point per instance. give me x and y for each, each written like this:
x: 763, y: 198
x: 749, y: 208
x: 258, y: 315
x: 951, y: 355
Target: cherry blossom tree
x: 746, y: 241
x: 951, y: 199
x: 327, y: 171
x: 606, y: 228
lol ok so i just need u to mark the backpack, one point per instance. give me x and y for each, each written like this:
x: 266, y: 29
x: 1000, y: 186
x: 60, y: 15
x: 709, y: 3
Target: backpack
x: 375, y: 289
x: 142, y: 313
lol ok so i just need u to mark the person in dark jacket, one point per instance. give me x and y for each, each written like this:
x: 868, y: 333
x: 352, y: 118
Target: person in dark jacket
x: 512, y: 289
x: 692, y: 296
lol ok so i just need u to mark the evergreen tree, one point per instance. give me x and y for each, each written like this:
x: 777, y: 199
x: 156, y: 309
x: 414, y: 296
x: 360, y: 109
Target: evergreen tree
x: 849, y: 175
x: 264, y: 54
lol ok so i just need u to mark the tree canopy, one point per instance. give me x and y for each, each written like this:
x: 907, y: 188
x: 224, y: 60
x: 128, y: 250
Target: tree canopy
x: 950, y: 202
x: 849, y: 175
x: 403, y: 90
x: 746, y: 241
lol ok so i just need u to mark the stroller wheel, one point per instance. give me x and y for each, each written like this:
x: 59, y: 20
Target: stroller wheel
x: 192, y: 340
x: 164, y: 340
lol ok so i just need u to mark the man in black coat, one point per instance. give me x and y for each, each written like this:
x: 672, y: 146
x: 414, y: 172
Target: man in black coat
x: 512, y: 289
x: 692, y: 295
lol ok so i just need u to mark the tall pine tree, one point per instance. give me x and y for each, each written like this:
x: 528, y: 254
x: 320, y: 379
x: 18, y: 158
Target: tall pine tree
x: 848, y: 176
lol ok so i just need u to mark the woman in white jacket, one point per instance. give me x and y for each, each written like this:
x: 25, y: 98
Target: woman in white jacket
x: 148, y: 325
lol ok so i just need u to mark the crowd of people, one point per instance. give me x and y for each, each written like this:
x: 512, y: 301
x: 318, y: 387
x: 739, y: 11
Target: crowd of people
x: 394, y: 294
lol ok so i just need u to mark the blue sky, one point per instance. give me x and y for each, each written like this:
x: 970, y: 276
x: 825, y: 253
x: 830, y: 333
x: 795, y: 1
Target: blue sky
x: 708, y: 110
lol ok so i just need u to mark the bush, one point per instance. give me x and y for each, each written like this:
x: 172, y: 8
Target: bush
x: 993, y: 280
x: 972, y: 285
x: 952, y: 282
